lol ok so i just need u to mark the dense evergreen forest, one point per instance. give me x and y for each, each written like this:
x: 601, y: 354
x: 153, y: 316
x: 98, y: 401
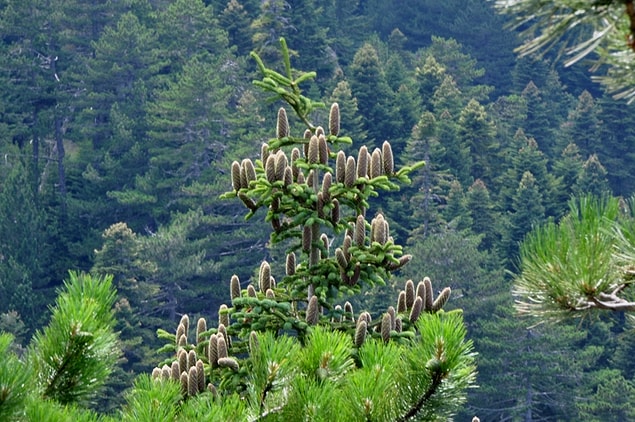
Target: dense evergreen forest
x: 120, y: 121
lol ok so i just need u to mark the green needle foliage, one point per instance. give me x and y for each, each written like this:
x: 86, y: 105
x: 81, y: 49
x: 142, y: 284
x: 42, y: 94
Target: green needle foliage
x: 286, y: 348
x: 75, y: 353
x: 151, y: 401
x: 580, y: 264
x: 14, y: 380
x: 67, y: 362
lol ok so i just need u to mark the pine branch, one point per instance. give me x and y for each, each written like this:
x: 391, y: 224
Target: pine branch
x: 437, y: 378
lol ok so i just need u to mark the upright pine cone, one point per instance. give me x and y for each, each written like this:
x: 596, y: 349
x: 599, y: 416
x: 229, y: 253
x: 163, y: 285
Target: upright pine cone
x: 334, y: 119
x: 312, y: 311
x: 234, y: 287
x: 387, y: 158
x: 235, y: 171
x: 283, y: 124
x: 313, y: 156
x: 360, y: 230
x: 362, y: 162
x: 323, y: 150
x: 376, y: 166
x: 350, y: 175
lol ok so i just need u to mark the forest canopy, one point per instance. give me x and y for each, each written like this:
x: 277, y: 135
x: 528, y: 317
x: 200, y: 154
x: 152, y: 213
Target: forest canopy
x: 121, y: 121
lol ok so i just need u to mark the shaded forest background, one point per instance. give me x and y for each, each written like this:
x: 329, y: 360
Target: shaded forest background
x: 120, y: 120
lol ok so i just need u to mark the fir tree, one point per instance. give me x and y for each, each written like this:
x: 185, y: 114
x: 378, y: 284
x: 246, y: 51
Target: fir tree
x: 567, y: 169
x: 312, y: 197
x: 374, y: 96
x: 583, y: 125
x: 477, y: 132
x: 592, y: 179
x: 528, y: 211
x: 235, y: 20
x: 482, y: 215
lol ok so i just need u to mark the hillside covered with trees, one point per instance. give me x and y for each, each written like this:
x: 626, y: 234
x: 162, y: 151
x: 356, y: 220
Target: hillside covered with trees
x: 121, y: 121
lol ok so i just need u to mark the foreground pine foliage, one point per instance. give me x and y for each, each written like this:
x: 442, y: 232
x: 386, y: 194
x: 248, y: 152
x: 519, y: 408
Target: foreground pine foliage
x: 582, y: 264
x: 68, y: 361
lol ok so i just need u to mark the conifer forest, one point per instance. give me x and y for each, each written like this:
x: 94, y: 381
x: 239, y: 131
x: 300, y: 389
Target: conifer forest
x: 303, y: 210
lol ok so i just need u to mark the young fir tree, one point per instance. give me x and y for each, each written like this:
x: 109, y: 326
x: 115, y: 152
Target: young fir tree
x: 284, y: 348
x: 592, y: 180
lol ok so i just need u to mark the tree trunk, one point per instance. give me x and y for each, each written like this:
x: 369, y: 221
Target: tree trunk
x: 59, y: 144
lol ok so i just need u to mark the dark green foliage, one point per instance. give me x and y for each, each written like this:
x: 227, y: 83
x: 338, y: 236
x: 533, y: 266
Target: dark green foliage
x: 351, y: 120
x: 375, y: 99
x: 138, y: 300
x: 527, y: 211
x: 583, y: 125
x: 610, y: 397
x: 190, y: 126
x: 25, y: 254
x: 476, y: 131
x: 592, y: 180
x: 547, y: 103
x: 616, y: 146
x: 235, y: 20
x: 483, y: 220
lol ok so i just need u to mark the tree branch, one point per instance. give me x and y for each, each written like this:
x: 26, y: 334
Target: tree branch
x: 437, y: 378
x: 613, y: 302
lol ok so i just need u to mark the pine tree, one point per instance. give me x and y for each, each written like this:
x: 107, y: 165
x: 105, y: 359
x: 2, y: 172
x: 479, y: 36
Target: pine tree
x: 271, y: 23
x: 509, y: 113
x: 616, y: 148
x: 610, y: 399
x: 456, y: 158
x: 456, y: 212
x: 546, y: 111
x: 447, y: 98
x: 429, y: 75
x: 123, y: 63
x: 138, y: 299
x: 347, y: 28
x: 428, y: 194
x: 190, y: 121
x: 24, y: 277
x: 461, y: 66
x: 531, y: 158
